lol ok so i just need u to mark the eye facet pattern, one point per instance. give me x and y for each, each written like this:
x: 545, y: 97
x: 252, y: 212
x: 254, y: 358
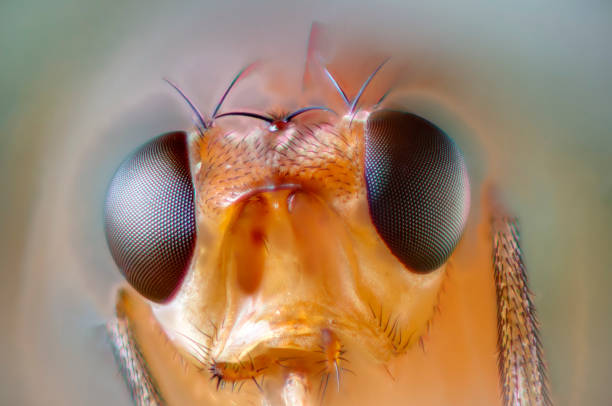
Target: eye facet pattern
x: 417, y: 188
x: 149, y: 216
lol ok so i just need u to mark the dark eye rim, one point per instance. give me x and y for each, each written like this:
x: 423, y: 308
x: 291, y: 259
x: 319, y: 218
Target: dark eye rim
x: 157, y: 173
x: 459, y: 196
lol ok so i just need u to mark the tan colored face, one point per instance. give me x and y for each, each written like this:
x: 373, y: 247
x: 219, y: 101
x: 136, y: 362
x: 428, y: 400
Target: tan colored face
x: 289, y: 272
x: 286, y: 248
x: 291, y: 285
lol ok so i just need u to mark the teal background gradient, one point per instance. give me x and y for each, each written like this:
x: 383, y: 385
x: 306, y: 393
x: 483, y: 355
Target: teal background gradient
x: 525, y: 87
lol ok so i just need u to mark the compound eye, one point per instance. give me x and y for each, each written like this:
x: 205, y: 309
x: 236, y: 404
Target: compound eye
x: 149, y: 216
x: 417, y: 188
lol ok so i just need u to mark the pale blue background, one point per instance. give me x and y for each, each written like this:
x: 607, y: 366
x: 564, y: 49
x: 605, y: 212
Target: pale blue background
x: 80, y: 87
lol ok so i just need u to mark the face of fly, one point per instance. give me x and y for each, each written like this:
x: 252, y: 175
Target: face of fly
x: 320, y: 255
x: 287, y: 253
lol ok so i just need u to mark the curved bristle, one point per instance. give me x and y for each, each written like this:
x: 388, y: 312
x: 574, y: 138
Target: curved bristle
x: 365, y: 84
x: 197, y: 112
x: 267, y: 119
x: 337, y: 86
x: 352, y: 105
x: 240, y: 74
x: 296, y: 113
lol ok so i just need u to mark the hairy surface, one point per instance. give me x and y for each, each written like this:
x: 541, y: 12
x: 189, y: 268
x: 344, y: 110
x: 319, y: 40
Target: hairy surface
x: 521, y: 360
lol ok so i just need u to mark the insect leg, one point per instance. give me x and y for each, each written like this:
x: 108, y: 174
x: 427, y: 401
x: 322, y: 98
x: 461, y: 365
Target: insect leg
x: 132, y: 365
x: 520, y: 361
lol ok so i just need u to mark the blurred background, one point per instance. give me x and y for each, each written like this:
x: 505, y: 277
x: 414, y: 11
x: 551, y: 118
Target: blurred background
x: 525, y: 89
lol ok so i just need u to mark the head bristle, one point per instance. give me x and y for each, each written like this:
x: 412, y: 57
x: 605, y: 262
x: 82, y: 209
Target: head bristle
x: 203, y: 125
x: 352, y: 105
x: 240, y: 74
x: 337, y: 86
x: 363, y: 87
x: 247, y: 114
x: 296, y: 113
